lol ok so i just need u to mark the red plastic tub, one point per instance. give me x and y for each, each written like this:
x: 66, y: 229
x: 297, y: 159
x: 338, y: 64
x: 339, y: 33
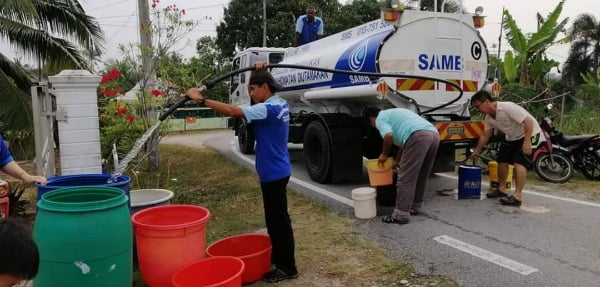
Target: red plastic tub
x: 253, y: 248
x: 221, y: 271
x: 167, y: 238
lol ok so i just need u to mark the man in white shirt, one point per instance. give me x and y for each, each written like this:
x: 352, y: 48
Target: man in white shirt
x: 522, y: 135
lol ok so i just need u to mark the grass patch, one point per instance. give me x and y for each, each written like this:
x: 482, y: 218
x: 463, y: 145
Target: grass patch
x: 328, y: 253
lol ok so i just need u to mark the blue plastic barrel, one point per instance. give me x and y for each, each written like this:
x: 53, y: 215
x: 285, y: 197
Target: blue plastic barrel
x: 469, y: 182
x: 74, y: 180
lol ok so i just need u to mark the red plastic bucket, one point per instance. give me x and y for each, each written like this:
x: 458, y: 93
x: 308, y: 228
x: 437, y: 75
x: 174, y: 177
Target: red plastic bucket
x: 222, y: 271
x: 4, y: 207
x: 167, y: 238
x: 253, y: 248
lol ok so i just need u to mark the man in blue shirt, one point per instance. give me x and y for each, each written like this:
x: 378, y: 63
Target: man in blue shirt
x: 12, y: 168
x: 308, y: 27
x: 270, y: 120
x: 418, y: 141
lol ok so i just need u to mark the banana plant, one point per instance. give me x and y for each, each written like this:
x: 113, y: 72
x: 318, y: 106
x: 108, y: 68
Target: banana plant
x: 529, y: 59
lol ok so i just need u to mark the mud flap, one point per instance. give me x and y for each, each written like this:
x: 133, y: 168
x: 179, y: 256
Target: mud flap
x: 346, y: 158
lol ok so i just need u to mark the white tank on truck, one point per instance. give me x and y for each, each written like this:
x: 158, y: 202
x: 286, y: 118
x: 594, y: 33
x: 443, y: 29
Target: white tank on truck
x: 326, y: 108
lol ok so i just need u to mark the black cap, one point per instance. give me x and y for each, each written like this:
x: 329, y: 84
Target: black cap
x: 264, y: 77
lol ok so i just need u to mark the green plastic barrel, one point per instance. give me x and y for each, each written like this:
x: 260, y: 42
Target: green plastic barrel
x: 84, y: 236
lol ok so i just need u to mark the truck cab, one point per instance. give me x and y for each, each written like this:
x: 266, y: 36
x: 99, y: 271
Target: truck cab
x: 238, y: 89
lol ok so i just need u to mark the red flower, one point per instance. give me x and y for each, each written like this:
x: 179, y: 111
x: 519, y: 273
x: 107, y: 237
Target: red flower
x: 112, y: 92
x: 121, y: 111
x: 130, y: 118
x: 156, y: 92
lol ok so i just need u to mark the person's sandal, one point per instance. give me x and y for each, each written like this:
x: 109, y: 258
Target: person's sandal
x: 511, y: 201
x: 277, y: 275
x: 390, y: 219
x: 496, y: 194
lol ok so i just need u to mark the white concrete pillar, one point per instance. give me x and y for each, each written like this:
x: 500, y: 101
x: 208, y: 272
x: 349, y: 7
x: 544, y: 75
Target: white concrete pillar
x: 77, y: 116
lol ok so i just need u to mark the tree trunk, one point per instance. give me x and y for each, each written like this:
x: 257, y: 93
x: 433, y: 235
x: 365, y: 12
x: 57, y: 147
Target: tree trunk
x: 153, y: 152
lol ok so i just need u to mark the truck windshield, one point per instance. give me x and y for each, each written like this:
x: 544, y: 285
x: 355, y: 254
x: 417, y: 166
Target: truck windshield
x: 256, y: 57
x: 275, y: 58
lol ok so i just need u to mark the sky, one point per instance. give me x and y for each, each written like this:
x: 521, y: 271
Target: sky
x: 118, y: 19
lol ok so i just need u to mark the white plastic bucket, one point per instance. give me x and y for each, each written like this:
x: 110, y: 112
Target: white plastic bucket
x: 145, y: 198
x: 365, y: 206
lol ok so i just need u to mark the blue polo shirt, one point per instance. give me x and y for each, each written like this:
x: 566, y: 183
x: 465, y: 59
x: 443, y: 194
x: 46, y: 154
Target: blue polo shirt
x: 5, y: 155
x: 401, y: 123
x: 270, y: 121
x: 308, y: 31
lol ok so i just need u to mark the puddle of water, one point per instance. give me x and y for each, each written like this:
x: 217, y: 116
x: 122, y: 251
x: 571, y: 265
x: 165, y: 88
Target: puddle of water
x: 535, y: 208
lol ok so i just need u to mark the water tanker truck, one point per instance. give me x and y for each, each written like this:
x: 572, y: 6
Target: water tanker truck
x: 326, y: 108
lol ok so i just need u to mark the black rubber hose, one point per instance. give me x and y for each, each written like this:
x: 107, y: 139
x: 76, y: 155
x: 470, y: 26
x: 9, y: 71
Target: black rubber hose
x: 177, y: 104
x: 209, y: 84
x: 381, y: 75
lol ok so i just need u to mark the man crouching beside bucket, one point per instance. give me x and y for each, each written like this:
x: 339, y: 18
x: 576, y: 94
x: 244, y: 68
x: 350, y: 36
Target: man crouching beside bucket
x: 418, y: 141
x: 521, y: 137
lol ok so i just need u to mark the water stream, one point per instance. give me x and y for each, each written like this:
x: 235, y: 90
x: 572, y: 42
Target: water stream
x: 137, y: 147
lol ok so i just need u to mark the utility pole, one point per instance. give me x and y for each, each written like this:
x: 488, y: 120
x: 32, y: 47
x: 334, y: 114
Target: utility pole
x: 497, y: 71
x: 145, y: 37
x: 264, y: 23
x: 500, y: 36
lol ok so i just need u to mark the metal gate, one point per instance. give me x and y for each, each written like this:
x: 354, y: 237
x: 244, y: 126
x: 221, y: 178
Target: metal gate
x: 44, y: 118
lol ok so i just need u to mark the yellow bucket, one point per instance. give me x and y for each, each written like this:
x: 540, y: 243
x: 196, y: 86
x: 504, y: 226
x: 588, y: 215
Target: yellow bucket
x: 379, y: 176
x: 493, y: 176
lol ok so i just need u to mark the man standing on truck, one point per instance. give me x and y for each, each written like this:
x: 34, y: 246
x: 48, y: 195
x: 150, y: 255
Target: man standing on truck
x: 418, y: 141
x: 308, y: 27
x: 521, y: 136
x: 270, y: 119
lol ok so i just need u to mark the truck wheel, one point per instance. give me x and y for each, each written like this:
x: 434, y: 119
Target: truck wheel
x: 245, y: 137
x: 317, y: 152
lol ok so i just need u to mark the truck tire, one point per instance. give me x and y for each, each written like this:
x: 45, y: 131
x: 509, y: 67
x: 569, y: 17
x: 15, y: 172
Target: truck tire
x: 317, y: 152
x: 245, y: 136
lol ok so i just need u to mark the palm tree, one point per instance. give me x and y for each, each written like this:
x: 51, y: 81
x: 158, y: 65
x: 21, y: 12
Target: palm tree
x: 53, y: 32
x: 584, y: 55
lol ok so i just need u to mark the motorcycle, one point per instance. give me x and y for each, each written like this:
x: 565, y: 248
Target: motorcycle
x: 550, y: 164
x: 550, y: 161
x: 583, y: 151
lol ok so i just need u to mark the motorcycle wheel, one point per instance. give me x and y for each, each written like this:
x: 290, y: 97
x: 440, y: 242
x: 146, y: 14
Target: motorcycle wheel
x: 559, y: 171
x: 591, y: 166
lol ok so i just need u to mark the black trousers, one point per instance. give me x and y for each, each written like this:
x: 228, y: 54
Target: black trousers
x: 279, y: 224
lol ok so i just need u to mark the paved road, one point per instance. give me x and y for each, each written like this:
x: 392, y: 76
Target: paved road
x: 549, y: 241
